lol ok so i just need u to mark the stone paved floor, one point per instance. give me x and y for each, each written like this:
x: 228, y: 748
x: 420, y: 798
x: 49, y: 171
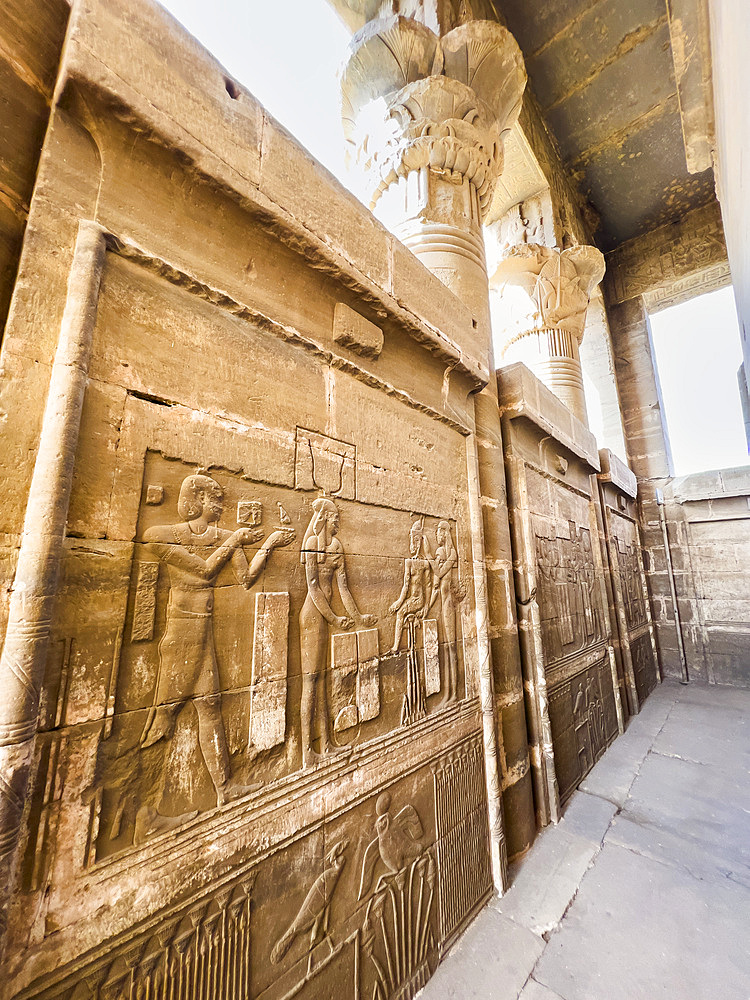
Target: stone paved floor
x: 643, y: 889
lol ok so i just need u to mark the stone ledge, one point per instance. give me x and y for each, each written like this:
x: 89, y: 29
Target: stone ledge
x: 714, y: 485
x: 235, y: 145
x: 615, y: 471
x: 521, y: 394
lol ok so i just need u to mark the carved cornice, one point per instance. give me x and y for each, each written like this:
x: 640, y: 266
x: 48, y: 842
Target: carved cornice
x: 553, y: 289
x: 412, y: 101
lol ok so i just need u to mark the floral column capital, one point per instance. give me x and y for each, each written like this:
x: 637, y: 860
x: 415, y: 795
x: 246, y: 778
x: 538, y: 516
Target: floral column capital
x: 411, y: 100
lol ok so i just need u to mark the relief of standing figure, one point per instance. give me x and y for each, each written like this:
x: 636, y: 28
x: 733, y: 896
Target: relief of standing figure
x: 195, y: 550
x: 323, y: 558
x: 413, y: 599
x: 443, y: 583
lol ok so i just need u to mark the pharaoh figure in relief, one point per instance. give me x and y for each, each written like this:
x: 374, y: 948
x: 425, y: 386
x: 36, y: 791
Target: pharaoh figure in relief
x: 428, y: 579
x: 324, y: 561
x: 133, y: 769
x: 194, y: 551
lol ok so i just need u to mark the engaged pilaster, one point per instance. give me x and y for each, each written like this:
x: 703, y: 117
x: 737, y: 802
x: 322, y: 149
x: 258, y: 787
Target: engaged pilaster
x: 545, y: 294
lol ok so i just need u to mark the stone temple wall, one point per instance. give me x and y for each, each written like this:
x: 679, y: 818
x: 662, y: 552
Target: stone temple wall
x: 269, y: 727
x: 244, y: 608
x: 694, y: 529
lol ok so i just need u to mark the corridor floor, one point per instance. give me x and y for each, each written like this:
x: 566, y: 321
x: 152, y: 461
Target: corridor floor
x: 642, y: 891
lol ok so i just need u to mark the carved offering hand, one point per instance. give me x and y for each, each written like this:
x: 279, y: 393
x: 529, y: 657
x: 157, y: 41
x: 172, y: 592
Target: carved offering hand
x: 247, y: 536
x: 279, y: 538
x: 345, y: 623
x: 393, y: 608
x: 369, y: 620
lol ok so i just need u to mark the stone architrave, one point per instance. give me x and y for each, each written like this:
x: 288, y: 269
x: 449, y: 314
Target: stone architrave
x: 545, y: 295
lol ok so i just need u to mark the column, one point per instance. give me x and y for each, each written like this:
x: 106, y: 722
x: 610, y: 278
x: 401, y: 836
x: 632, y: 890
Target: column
x: 425, y: 117
x: 544, y: 295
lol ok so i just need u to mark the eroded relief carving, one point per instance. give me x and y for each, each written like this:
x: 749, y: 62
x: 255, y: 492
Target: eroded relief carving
x: 193, y: 551
x: 428, y: 579
x: 632, y: 584
x: 200, y: 951
x: 397, y: 933
x: 313, y: 914
x: 324, y: 561
x: 462, y: 827
x: 326, y: 464
x: 568, y: 594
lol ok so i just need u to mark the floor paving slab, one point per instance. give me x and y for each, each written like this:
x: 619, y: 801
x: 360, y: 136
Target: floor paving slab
x: 535, y: 991
x: 701, y: 733
x: 588, y: 816
x: 713, y: 694
x: 697, y: 803
x: 669, y: 848
x: 639, y: 930
x: 544, y: 883
x: 492, y: 961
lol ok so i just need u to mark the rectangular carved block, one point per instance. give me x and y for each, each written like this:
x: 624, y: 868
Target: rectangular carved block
x: 268, y: 692
x: 368, y: 675
x: 144, y: 610
x: 431, y: 657
x: 355, y: 332
x: 343, y: 680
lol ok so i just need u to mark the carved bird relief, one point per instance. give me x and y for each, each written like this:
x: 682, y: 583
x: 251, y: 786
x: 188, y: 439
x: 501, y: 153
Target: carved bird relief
x: 397, y: 842
x: 313, y: 914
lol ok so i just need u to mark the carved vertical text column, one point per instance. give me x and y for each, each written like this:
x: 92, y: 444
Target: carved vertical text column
x: 35, y: 583
x: 545, y: 295
x: 426, y: 116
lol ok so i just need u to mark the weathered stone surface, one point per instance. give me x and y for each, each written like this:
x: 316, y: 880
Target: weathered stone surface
x: 619, y: 926
x: 479, y: 969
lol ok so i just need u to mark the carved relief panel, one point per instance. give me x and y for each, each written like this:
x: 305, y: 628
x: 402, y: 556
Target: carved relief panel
x: 635, y: 645
x: 566, y: 640
x: 261, y: 704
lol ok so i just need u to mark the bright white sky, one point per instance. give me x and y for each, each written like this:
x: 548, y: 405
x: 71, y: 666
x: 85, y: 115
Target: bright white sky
x: 288, y: 54
x: 698, y: 352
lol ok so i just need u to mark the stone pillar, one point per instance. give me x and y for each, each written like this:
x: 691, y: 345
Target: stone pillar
x: 545, y: 295
x: 425, y: 116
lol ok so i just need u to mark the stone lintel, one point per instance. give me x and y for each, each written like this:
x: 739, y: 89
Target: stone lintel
x: 224, y: 134
x: 615, y: 471
x: 521, y: 394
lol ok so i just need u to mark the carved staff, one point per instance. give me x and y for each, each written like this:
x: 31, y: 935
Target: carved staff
x: 34, y: 587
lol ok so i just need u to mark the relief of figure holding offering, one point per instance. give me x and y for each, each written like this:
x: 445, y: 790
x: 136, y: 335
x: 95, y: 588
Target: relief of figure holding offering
x: 323, y: 558
x: 195, y: 550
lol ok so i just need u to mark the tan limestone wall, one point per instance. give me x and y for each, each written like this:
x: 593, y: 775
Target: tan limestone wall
x: 668, y: 266
x: 262, y: 456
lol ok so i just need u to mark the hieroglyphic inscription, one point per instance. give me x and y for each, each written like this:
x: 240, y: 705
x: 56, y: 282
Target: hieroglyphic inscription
x: 462, y: 826
x: 199, y: 951
x: 268, y: 690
